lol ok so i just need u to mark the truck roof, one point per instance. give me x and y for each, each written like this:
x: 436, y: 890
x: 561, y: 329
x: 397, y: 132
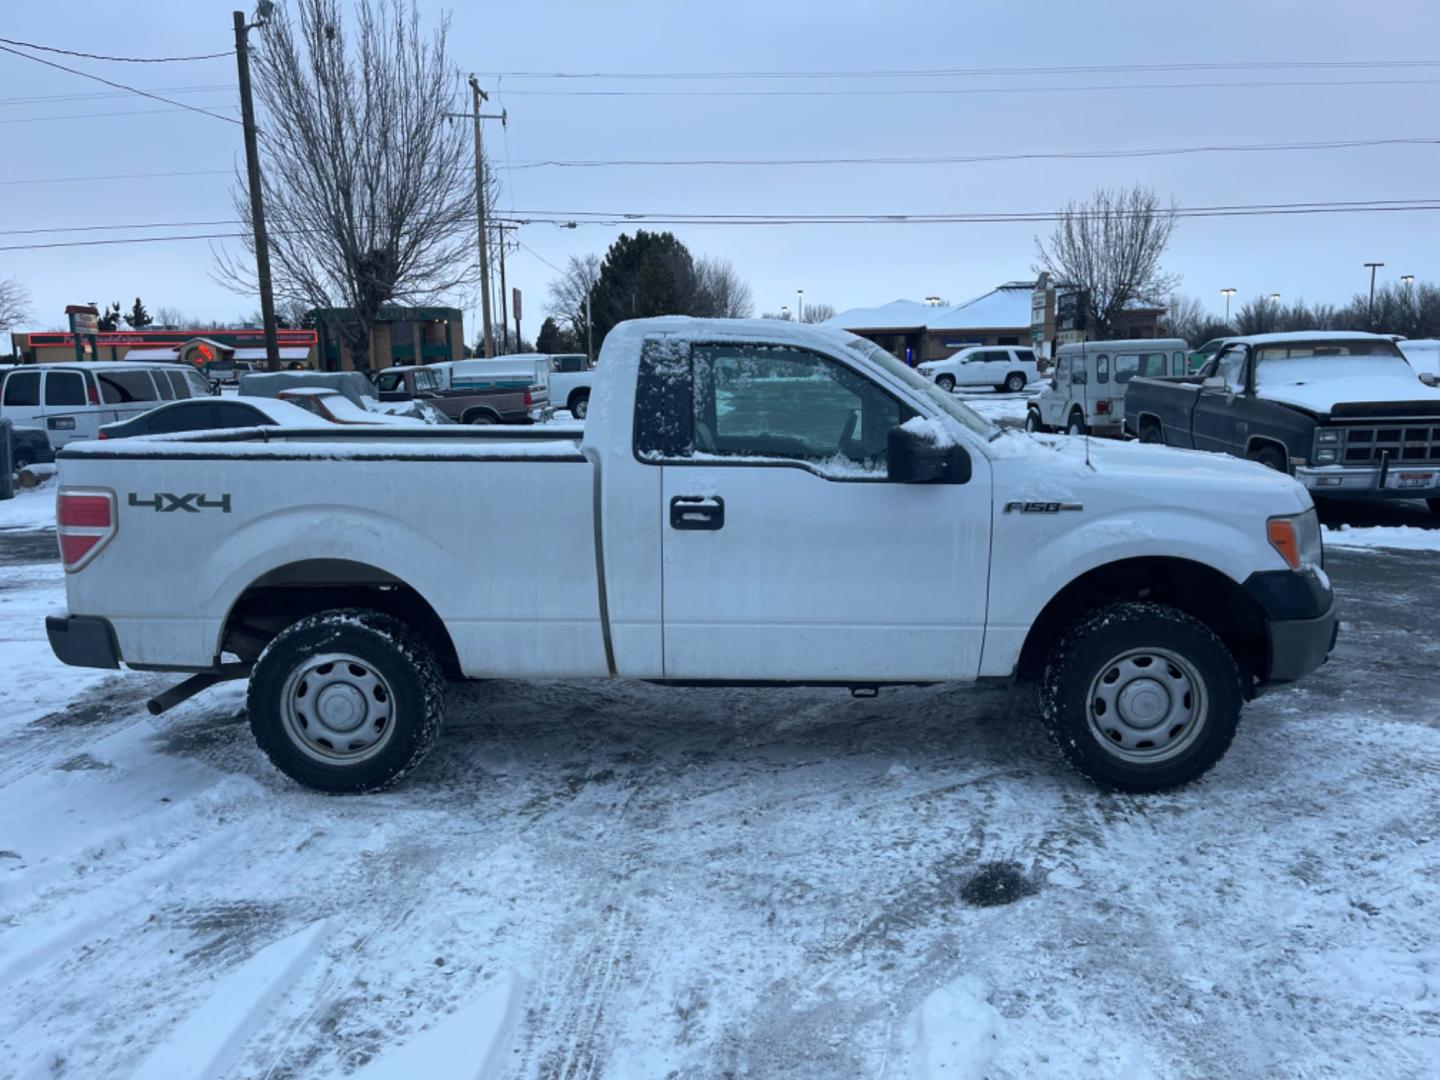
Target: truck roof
x: 684, y: 326
x: 1309, y: 335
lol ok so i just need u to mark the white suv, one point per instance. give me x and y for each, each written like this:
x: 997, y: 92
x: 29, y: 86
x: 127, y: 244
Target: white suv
x: 1005, y: 367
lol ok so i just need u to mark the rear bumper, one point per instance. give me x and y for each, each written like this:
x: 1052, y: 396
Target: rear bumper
x: 1301, y: 622
x: 82, y: 641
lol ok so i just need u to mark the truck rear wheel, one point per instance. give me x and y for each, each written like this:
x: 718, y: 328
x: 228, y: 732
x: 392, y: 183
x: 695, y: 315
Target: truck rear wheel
x: 1141, y: 697
x: 1077, y: 424
x: 1150, y: 432
x: 346, y: 701
x: 580, y: 406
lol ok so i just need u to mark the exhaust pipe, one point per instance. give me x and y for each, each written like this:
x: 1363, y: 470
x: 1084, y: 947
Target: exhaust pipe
x: 168, y: 699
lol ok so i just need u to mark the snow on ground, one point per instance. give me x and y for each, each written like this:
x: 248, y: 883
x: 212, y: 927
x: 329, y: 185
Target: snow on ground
x: 617, y: 879
x: 1408, y: 537
x: 1008, y: 410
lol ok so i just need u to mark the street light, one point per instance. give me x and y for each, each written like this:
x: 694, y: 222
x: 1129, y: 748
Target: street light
x: 784, y: 311
x: 1274, y: 296
x: 1227, y: 293
x: 799, y: 305
x: 933, y: 301
x: 1407, y: 280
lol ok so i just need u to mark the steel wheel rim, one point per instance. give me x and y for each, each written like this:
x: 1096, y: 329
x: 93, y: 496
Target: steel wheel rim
x: 945, y: 383
x: 1015, y: 384
x: 1147, y: 705
x: 581, y: 408
x: 337, y: 709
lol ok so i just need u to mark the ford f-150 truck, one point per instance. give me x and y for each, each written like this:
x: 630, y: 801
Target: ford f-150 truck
x: 1341, y: 411
x: 750, y: 502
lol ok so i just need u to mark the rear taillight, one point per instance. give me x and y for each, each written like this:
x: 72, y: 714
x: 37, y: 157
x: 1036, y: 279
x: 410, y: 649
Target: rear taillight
x: 529, y: 400
x: 86, y: 520
x: 91, y: 394
x: 1102, y: 408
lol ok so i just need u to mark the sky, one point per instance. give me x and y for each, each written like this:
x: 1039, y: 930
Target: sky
x: 53, y: 134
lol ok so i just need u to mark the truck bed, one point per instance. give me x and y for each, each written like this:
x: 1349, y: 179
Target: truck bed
x: 494, y: 530
x: 1171, y: 399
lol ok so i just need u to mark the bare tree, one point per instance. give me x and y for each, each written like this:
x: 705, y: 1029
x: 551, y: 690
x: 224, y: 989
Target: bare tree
x: 569, y: 290
x: 817, y: 312
x: 369, y: 191
x: 723, y: 294
x: 1259, y: 315
x: 1184, y: 317
x: 14, y: 303
x: 169, y: 318
x: 1109, y: 247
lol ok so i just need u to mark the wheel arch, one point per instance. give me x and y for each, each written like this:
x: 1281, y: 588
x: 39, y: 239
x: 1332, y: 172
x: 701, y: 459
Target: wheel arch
x: 292, y: 591
x: 468, y: 416
x: 580, y: 393
x: 1260, y: 442
x: 1209, y: 595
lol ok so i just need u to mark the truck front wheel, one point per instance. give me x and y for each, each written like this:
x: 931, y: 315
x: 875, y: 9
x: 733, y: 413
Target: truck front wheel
x: 1141, y: 697
x: 580, y: 406
x: 346, y: 701
x: 945, y: 382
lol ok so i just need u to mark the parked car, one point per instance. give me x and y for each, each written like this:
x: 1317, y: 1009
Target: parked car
x: 1087, y: 388
x: 1205, y: 353
x: 1342, y: 411
x: 73, y: 401
x: 30, y: 447
x: 478, y: 405
x: 337, y: 408
x: 569, y: 380
x: 1008, y: 367
x: 228, y: 372
x: 521, y: 371
x: 882, y: 534
x: 211, y: 414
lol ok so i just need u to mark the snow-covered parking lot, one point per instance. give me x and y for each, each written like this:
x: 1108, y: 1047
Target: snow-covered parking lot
x: 616, y: 879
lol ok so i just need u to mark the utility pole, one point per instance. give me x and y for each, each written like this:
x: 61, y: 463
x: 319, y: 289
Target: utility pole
x: 504, y: 308
x: 1373, y: 267
x: 476, y: 96
x: 257, y: 198
x: 589, y: 329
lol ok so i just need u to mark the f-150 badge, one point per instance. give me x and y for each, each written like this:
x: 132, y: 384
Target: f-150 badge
x: 163, y: 502
x: 1041, y: 507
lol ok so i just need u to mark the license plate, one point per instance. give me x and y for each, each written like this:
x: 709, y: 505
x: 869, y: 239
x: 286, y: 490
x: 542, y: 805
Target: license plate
x: 1412, y: 480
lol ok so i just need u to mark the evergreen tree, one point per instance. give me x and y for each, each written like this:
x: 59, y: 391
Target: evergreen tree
x: 642, y: 276
x: 138, y: 318
x: 109, y: 320
x: 554, y: 340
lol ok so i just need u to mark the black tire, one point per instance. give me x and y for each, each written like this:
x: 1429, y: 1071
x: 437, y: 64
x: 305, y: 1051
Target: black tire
x: 1150, y: 432
x: 479, y: 418
x: 946, y: 383
x: 580, y: 406
x: 1076, y: 425
x: 23, y: 459
x: 1100, y: 645
x: 1270, y: 457
x: 391, y: 655
x: 1015, y: 382
x: 1033, y: 423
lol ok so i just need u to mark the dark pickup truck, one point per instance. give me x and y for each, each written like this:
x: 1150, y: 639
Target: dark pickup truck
x: 494, y: 405
x: 1341, y: 411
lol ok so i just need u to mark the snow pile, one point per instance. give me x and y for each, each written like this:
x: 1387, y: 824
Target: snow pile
x: 31, y: 508
x: 1407, y: 537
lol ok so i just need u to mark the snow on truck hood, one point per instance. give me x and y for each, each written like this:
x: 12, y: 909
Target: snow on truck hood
x: 1321, y: 397
x: 1061, y: 467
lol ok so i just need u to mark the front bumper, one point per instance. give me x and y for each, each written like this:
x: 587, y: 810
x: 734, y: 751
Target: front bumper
x: 1349, y: 482
x: 82, y: 641
x: 1301, y: 623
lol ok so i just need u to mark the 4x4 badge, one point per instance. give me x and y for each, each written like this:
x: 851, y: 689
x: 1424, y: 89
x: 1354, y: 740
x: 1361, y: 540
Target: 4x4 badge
x: 163, y: 502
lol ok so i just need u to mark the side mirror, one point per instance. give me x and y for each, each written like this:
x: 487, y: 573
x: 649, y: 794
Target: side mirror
x: 914, y: 458
x: 1214, y: 385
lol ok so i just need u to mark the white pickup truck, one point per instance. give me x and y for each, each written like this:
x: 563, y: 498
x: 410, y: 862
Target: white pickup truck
x: 750, y: 503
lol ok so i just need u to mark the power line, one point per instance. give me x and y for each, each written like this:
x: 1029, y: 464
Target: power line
x: 119, y: 86
x: 951, y: 91
x: 966, y: 159
x: 47, y: 99
x: 118, y: 59
x: 121, y: 240
x: 113, y: 176
x: 98, y: 115
x: 899, y: 73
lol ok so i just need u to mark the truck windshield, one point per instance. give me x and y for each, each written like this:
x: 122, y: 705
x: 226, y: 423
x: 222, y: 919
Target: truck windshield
x: 1312, y: 361
x: 947, y: 402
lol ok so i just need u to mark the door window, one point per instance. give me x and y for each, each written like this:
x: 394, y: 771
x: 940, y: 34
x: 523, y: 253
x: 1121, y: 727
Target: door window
x: 426, y: 380
x: 64, y: 388
x: 774, y: 402
x: 389, y: 382
x: 1177, y: 364
x: 1102, y: 368
x: 235, y: 414
x: 1025, y: 356
x: 176, y: 418
x: 178, y: 384
x: 120, y: 387
x: 1062, y: 372
x: 22, y: 388
x: 1231, y: 368
x: 165, y: 391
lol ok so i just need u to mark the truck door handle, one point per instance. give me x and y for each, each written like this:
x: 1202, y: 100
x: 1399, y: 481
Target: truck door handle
x: 697, y: 512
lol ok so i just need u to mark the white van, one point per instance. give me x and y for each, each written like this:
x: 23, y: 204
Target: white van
x: 1086, y: 391
x: 1005, y: 367
x: 73, y: 401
